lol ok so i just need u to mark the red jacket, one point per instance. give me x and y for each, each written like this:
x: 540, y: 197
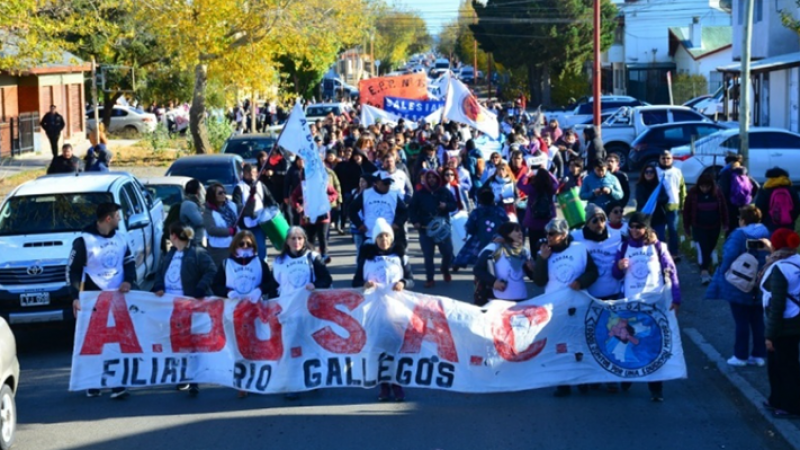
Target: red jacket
x: 296, y: 202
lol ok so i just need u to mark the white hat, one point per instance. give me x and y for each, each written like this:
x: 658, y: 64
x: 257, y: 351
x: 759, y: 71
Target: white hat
x: 539, y: 159
x: 381, y: 226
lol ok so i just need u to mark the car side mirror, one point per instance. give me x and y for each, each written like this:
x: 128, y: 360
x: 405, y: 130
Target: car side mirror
x: 138, y: 221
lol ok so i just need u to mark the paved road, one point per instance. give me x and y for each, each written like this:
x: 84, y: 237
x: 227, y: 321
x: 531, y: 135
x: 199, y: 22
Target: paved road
x: 702, y: 412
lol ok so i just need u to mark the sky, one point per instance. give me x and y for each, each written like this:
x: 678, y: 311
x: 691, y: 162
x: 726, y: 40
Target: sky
x: 435, y: 12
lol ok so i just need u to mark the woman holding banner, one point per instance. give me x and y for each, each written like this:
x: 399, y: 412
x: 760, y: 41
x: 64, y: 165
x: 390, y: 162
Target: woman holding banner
x: 644, y: 265
x: 383, y: 264
x: 501, y: 267
x: 187, y: 270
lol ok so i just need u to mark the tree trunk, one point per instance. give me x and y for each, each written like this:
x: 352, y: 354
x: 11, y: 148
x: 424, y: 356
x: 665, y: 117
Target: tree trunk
x: 197, y: 113
x: 546, y: 97
x: 108, y: 106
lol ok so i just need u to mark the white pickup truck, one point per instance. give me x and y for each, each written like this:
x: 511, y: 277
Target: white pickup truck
x: 622, y: 128
x: 40, y: 219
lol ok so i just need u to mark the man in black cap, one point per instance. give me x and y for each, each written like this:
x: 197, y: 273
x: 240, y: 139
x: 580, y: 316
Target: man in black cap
x: 380, y: 201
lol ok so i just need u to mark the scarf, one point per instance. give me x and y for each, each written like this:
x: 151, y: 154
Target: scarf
x: 227, y: 213
x: 777, y: 182
x: 514, y: 255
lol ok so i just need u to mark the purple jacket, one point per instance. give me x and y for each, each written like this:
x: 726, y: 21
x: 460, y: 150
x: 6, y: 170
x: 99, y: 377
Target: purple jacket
x: 525, y: 185
x: 667, y: 266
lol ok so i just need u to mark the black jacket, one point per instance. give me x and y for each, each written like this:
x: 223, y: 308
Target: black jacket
x: 59, y: 164
x: 52, y: 123
x: 626, y: 187
x: 197, y: 272
x: 279, y: 165
x: 77, y: 262
x: 219, y: 285
x: 594, y: 147
x: 425, y: 205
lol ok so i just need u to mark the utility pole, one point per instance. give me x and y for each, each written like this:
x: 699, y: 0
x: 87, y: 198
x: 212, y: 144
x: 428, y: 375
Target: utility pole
x: 489, y: 75
x: 474, y: 51
x: 744, y: 86
x: 94, y: 101
x: 596, y: 69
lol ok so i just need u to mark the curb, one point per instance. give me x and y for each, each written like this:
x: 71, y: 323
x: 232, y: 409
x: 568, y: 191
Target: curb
x: 789, y: 432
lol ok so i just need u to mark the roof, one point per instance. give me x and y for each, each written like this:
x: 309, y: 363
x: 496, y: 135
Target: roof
x: 82, y: 182
x: 62, y: 62
x: 785, y: 61
x: 206, y: 159
x: 256, y: 136
x: 713, y: 39
x: 165, y: 181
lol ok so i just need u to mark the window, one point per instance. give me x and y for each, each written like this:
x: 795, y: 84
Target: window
x: 54, y: 213
x: 775, y: 140
x: 119, y: 112
x: 705, y: 130
x: 654, y: 117
x: 675, y: 134
x: 758, y: 13
x: 685, y: 116
x: 732, y: 144
x: 134, y: 199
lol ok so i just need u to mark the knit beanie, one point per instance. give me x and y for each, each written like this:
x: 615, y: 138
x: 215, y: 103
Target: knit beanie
x: 381, y: 226
x: 594, y: 210
x: 639, y: 217
x: 783, y: 238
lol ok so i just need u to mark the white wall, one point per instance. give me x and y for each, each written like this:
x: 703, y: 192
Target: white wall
x: 770, y: 37
x: 684, y: 63
x: 778, y: 101
x: 647, y: 25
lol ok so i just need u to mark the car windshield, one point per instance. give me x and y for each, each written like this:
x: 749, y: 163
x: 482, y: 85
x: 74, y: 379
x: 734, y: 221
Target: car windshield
x: 51, y: 213
x: 205, y: 173
x: 322, y: 110
x: 248, y: 148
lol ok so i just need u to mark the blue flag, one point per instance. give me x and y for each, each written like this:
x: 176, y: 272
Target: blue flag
x: 411, y: 109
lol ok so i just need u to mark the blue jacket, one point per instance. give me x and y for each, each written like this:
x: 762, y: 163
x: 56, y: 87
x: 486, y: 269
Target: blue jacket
x: 734, y: 246
x: 592, y: 182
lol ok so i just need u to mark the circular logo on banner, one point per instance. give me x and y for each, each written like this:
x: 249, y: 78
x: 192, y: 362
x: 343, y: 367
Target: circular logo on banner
x: 629, y: 340
x: 470, y: 107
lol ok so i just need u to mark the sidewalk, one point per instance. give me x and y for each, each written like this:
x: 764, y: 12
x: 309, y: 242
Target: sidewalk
x: 708, y: 324
x: 41, y: 160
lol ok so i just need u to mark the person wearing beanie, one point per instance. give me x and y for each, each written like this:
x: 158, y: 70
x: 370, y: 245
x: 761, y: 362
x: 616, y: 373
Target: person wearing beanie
x: 482, y: 225
x: 745, y: 308
x: 600, y: 186
x: 602, y: 246
x: 778, y: 201
x: 644, y: 266
x: 615, y: 212
x: 704, y: 215
x: 780, y: 289
x: 539, y: 186
x: 432, y: 201
x: 563, y: 263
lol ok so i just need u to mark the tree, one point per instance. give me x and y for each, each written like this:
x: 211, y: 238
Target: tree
x: 29, y: 33
x: 545, y: 36
x: 398, y: 34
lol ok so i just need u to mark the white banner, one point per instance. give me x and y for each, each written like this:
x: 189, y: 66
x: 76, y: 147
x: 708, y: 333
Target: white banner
x: 296, y: 137
x: 461, y: 106
x: 346, y: 338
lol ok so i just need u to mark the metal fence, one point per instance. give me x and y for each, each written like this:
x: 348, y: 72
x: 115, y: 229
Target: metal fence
x: 23, y: 134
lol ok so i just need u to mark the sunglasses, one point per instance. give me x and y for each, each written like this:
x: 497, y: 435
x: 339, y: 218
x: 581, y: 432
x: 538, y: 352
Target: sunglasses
x: 245, y: 244
x: 449, y: 175
x: 553, y: 233
x: 616, y: 211
x: 649, y: 172
x: 597, y: 219
x: 665, y: 158
x: 637, y: 226
x: 220, y: 192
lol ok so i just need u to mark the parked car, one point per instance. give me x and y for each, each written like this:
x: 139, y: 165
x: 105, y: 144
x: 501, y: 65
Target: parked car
x: 249, y: 145
x: 9, y: 382
x: 124, y: 118
x: 467, y: 74
x: 170, y: 190
x: 321, y: 110
x: 696, y: 100
x: 624, y: 126
x: 769, y: 147
x: 585, y: 109
x: 223, y: 169
x: 646, y: 148
x: 336, y: 87
x: 40, y: 219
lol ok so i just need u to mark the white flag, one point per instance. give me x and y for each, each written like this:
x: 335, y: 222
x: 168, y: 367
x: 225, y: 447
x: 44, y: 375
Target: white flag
x: 371, y: 115
x: 462, y: 106
x: 296, y: 137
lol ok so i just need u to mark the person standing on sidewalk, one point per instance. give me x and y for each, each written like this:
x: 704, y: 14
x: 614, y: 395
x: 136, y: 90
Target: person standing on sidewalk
x: 101, y: 261
x: 704, y: 214
x: 53, y: 123
x: 673, y: 184
x: 781, y: 300
x: 748, y: 315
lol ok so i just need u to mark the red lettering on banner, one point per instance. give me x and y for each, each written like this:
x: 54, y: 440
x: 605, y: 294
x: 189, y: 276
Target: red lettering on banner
x: 322, y: 305
x: 429, y: 310
x: 503, y: 333
x: 244, y: 322
x: 98, y: 333
x: 181, y: 336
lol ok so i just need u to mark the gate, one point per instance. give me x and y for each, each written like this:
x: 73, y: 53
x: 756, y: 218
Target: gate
x: 24, y: 136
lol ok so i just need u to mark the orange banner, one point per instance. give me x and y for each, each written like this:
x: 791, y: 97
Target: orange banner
x: 412, y: 87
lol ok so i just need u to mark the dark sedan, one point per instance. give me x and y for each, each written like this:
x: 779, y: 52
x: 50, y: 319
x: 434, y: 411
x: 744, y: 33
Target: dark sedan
x: 248, y: 146
x: 208, y: 169
x: 647, y: 147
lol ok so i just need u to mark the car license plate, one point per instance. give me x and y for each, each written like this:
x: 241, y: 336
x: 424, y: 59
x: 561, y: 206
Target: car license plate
x: 35, y: 299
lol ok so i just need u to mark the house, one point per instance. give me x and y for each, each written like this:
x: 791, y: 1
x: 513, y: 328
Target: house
x: 353, y: 66
x: 774, y: 68
x: 699, y: 50
x: 648, y: 37
x: 26, y: 96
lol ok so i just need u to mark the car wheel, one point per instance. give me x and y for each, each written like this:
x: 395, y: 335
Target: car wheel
x: 622, y: 153
x: 8, y: 417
